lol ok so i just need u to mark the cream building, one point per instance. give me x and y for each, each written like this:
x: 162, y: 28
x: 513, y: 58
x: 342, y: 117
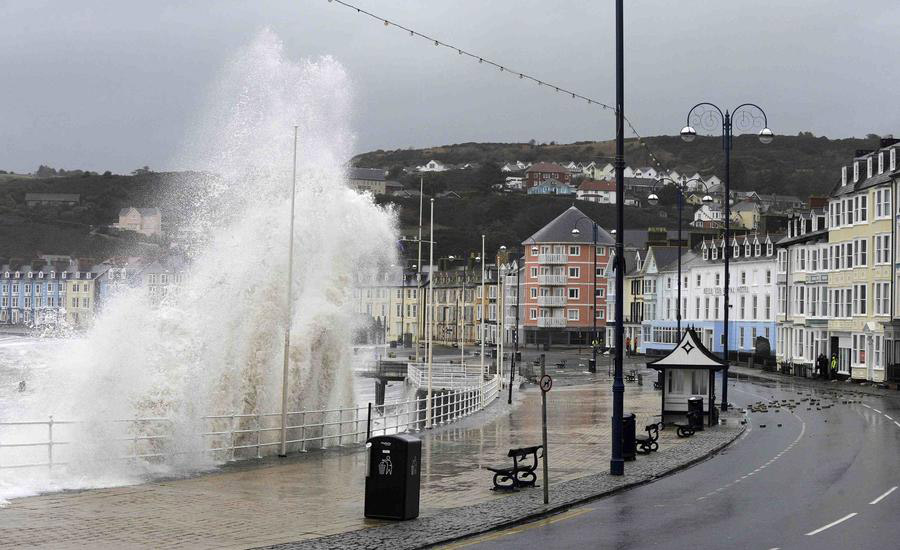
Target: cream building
x: 147, y: 221
x: 860, y: 260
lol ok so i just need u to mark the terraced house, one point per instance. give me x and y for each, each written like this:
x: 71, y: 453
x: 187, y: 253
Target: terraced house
x: 860, y: 261
x: 804, y: 257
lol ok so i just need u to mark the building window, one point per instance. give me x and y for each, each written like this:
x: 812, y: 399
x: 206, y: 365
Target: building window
x: 574, y: 251
x: 859, y: 299
x: 533, y: 313
x: 697, y: 308
x: 755, y: 304
x: 882, y: 249
x: 741, y: 337
x: 600, y: 313
x: 573, y: 315
x: 599, y: 292
x: 882, y: 295
x: 861, y: 259
x: 534, y: 272
x: 533, y: 292
x: 698, y: 280
x: 574, y: 293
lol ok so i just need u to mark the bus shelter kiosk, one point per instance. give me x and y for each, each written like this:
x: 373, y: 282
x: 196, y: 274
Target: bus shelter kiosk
x: 689, y: 370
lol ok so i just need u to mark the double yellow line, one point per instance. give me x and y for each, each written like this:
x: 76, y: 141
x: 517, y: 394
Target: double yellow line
x: 513, y: 530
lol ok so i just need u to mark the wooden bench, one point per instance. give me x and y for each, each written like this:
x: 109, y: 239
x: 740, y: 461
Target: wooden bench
x: 521, y: 474
x: 648, y: 443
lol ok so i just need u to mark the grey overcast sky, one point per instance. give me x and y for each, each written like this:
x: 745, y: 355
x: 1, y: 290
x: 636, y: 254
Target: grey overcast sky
x: 114, y: 84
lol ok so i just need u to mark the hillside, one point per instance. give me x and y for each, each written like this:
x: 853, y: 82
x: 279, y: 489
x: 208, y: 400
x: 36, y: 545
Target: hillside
x: 801, y: 165
x: 506, y: 219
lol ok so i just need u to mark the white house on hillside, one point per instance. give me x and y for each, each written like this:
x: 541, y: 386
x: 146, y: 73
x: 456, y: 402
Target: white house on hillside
x: 432, y: 166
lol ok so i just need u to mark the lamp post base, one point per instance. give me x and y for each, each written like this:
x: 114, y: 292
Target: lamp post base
x: 616, y: 467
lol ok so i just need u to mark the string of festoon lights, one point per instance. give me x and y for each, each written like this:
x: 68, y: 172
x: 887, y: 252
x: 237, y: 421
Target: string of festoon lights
x: 520, y: 75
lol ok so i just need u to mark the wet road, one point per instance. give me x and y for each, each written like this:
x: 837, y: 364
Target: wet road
x: 823, y: 479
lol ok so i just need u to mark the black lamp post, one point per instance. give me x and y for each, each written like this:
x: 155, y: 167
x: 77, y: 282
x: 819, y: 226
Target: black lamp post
x: 594, y: 338
x: 616, y: 462
x: 653, y: 199
x: 705, y: 115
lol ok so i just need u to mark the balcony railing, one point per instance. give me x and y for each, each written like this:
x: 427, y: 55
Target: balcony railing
x: 551, y: 301
x: 552, y: 322
x: 551, y: 279
x: 552, y: 258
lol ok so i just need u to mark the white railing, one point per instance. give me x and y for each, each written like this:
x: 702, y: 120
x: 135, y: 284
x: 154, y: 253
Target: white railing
x: 551, y: 322
x: 552, y: 258
x: 229, y: 437
x: 551, y: 301
x: 445, y: 375
x: 551, y: 280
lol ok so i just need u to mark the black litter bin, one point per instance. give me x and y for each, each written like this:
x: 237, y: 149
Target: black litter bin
x: 695, y: 413
x: 592, y: 365
x: 392, y: 477
x: 629, y: 444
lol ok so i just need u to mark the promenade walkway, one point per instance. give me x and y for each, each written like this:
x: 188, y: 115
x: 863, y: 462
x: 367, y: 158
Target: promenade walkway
x: 321, y: 493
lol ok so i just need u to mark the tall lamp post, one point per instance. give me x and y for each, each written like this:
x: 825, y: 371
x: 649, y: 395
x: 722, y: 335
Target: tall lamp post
x: 616, y: 461
x: 653, y: 199
x: 707, y: 116
x: 594, y: 340
x: 288, y: 309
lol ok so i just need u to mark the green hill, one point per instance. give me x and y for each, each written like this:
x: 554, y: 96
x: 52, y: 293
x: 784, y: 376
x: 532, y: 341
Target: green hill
x: 801, y: 165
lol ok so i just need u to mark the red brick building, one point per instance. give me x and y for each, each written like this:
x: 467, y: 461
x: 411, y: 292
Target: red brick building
x: 546, y: 171
x: 559, y: 281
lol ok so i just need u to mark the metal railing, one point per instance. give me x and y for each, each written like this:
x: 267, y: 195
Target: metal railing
x: 552, y: 301
x: 233, y: 436
x: 551, y: 280
x: 551, y: 322
x: 552, y: 258
x: 444, y: 375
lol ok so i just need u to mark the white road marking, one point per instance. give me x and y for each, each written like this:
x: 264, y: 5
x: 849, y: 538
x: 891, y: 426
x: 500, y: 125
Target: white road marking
x: 889, y: 491
x: 876, y: 410
x: 830, y: 525
x: 897, y: 423
x: 888, y: 417
x: 866, y: 406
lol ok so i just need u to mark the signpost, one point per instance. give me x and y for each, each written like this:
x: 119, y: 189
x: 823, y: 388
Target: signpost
x: 546, y: 384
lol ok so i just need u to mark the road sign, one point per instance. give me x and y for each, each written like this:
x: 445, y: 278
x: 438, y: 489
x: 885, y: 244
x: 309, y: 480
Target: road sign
x: 546, y: 383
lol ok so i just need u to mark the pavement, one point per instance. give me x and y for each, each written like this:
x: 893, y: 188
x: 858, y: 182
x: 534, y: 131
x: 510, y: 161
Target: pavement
x: 818, y: 471
x: 317, y: 498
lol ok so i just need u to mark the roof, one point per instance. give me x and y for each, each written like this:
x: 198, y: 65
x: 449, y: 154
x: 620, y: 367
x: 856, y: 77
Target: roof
x: 141, y: 211
x: 664, y: 256
x: 371, y: 174
x: 559, y: 230
x: 594, y: 185
x: 61, y: 197
x: 546, y: 167
x: 690, y: 353
x: 877, y: 179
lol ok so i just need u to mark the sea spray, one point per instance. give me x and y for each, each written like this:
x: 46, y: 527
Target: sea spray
x: 214, y: 345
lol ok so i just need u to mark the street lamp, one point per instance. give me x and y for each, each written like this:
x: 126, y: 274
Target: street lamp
x: 747, y: 117
x: 594, y: 339
x: 653, y: 199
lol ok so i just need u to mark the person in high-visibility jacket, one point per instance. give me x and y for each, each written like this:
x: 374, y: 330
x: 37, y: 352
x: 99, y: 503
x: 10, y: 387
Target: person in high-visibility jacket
x: 833, y: 366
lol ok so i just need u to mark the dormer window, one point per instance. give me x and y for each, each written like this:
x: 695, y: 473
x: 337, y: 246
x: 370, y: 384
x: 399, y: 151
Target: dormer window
x: 736, y: 251
x: 769, y: 249
x: 855, y: 171
x: 6, y: 275
x: 715, y: 253
x: 881, y: 162
x: 893, y: 159
x: 40, y: 275
x: 30, y: 275
x: 705, y: 253
x: 869, y: 167
x: 747, y: 250
x: 757, y: 249
x: 65, y: 274
x: 843, y: 175
x: 52, y: 274
x: 17, y: 274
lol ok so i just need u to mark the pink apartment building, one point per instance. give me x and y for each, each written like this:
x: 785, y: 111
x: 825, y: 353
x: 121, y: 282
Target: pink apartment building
x: 559, y: 281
